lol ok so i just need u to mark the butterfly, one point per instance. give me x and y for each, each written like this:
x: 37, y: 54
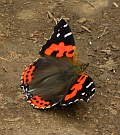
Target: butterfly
x: 56, y: 77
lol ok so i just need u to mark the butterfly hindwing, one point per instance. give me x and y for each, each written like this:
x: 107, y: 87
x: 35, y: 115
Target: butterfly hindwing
x: 82, y: 89
x: 44, y: 82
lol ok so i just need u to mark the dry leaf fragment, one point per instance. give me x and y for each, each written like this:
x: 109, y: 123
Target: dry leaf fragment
x: 4, y: 69
x: 115, y: 4
x: 85, y: 28
x: 11, y: 1
x: 51, y: 16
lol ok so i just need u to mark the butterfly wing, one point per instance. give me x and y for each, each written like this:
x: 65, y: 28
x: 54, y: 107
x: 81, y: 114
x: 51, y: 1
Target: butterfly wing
x: 61, y: 43
x: 44, y: 83
x: 81, y: 88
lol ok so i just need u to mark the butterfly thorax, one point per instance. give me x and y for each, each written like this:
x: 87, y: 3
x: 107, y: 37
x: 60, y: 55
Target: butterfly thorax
x: 70, y: 72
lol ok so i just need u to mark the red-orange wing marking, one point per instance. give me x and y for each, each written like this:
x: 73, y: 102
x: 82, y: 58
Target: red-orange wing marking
x: 27, y: 75
x: 39, y: 102
x: 76, y: 87
x: 61, y: 48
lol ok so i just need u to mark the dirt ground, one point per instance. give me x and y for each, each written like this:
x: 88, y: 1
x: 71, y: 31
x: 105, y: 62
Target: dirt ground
x: 96, y: 28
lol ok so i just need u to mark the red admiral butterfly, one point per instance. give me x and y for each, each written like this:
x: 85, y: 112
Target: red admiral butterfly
x: 56, y: 77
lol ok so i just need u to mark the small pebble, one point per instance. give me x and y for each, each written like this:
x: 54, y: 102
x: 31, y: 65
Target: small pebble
x: 82, y: 20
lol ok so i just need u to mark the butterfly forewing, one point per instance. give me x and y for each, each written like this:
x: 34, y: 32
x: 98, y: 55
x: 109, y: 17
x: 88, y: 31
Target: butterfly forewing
x: 61, y: 42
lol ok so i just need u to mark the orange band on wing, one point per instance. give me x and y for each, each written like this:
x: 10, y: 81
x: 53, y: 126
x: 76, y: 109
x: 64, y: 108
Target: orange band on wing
x: 39, y: 102
x: 75, y: 88
x: 27, y: 75
x: 61, y: 48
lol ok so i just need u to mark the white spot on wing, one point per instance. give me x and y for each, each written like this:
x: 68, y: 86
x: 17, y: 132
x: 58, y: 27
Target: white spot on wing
x: 47, y: 107
x: 83, y: 93
x: 55, y: 104
x: 63, y: 104
x: 42, y: 108
x: 65, y: 25
x: 22, y: 88
x: 76, y: 100
x: 88, y: 99
x: 92, y: 95
x: 70, y: 103
x: 33, y: 105
x: 93, y: 89
x: 36, y: 59
x: 58, y: 34
x: 68, y: 34
x: 89, y: 84
x: 36, y: 107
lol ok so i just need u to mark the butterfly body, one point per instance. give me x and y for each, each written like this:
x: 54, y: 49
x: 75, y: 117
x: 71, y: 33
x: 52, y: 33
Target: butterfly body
x: 56, y: 77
